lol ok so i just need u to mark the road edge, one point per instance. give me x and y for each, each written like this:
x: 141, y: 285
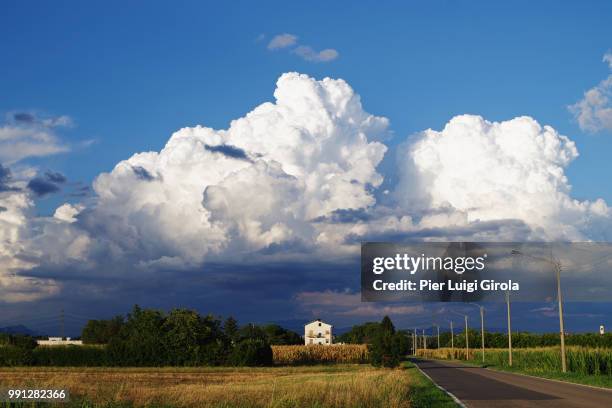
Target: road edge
x: 447, y: 392
x: 522, y: 374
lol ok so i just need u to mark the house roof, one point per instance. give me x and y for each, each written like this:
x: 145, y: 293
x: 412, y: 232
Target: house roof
x: 320, y: 321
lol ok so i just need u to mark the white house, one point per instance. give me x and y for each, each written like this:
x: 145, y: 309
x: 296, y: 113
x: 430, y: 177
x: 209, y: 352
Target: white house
x: 318, y: 332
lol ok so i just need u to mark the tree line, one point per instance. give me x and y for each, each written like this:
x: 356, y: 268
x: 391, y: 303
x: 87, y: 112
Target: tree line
x: 148, y: 337
x: 364, y: 333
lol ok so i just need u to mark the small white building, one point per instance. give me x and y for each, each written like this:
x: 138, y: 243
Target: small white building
x: 318, y: 332
x: 59, y: 341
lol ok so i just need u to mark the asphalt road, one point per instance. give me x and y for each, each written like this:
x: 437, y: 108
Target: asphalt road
x: 478, y: 387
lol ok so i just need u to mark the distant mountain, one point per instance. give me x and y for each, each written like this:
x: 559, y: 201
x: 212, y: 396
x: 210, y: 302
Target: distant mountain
x: 296, y: 325
x: 19, y: 329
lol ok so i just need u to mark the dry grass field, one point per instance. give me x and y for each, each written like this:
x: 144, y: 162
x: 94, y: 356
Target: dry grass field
x: 349, y: 385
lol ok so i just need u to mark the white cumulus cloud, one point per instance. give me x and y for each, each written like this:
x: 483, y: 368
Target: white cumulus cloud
x: 297, y: 178
x: 485, y: 171
x: 255, y: 186
x: 594, y: 111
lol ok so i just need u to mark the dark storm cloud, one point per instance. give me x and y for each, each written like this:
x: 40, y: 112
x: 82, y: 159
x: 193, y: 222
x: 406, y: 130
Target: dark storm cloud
x: 142, y: 173
x: 476, y: 230
x: 42, y: 187
x: 47, y: 184
x: 229, y: 151
x: 55, y: 177
x: 24, y: 117
x: 344, y: 216
x: 5, y: 178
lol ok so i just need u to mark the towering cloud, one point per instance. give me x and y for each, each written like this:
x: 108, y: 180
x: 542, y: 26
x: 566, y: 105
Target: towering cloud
x: 256, y: 186
x: 485, y: 171
x: 296, y: 179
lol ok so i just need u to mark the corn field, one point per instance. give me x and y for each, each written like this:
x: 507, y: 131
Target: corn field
x: 320, y: 354
x: 580, y: 360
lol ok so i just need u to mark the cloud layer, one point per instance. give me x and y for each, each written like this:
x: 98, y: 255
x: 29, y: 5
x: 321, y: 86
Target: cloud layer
x: 292, y: 181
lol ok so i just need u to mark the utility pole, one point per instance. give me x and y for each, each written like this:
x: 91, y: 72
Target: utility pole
x: 467, y: 341
x: 482, y: 336
x: 424, y: 340
x: 438, y: 328
x: 62, y: 323
x: 415, y: 342
x: 557, y: 265
x: 509, y: 330
x: 452, y: 340
x: 561, y: 329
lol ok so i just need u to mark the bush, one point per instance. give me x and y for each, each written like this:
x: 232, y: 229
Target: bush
x: 251, y: 352
x: 388, y: 346
x: 65, y: 356
x: 385, y: 350
x: 15, y: 356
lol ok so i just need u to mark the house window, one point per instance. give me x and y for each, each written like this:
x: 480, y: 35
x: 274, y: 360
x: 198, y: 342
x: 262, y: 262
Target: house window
x: 319, y: 324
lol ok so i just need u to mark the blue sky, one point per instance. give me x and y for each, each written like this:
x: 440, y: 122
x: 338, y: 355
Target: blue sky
x: 129, y: 74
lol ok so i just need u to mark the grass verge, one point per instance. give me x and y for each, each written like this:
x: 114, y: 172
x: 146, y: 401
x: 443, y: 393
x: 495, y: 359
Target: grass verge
x: 423, y: 392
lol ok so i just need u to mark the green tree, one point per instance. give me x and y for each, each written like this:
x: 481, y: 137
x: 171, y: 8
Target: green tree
x: 140, y: 340
x: 387, y: 346
x: 230, y: 328
x: 387, y: 325
x: 278, y: 335
x: 251, y: 352
x: 101, y: 331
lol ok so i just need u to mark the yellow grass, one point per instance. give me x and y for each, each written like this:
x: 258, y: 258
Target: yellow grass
x: 320, y: 354
x: 323, y: 386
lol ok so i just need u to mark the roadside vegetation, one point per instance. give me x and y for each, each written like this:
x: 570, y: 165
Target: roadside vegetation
x: 585, y: 365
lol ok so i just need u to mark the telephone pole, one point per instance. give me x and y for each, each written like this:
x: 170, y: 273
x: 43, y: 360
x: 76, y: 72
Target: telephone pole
x: 467, y: 341
x: 509, y: 330
x: 561, y: 329
x: 62, y: 323
x: 557, y: 265
x: 452, y: 340
x: 482, y: 336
